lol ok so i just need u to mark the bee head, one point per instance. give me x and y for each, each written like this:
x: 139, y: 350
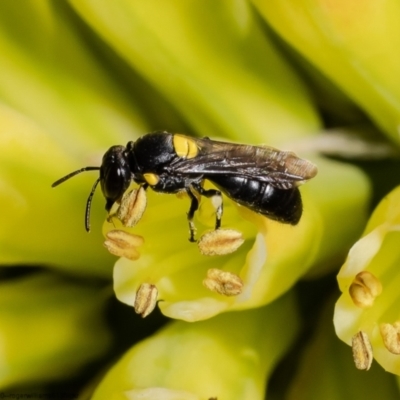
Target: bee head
x: 115, y: 174
x: 115, y: 178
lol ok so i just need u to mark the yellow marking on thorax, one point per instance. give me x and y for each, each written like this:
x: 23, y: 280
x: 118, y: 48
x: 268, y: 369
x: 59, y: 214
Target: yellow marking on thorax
x: 185, y: 147
x: 151, y: 179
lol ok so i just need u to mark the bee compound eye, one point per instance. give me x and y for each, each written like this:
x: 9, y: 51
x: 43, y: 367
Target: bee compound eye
x: 115, y: 182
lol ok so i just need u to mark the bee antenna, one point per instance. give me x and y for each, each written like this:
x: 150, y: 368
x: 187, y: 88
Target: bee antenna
x: 70, y: 175
x: 89, y: 204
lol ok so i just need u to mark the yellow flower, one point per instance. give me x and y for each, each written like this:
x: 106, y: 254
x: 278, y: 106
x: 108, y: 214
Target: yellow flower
x: 325, y: 370
x: 368, y: 281
x: 273, y: 257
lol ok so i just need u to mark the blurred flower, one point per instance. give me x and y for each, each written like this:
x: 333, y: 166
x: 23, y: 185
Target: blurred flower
x: 213, y: 62
x: 325, y: 370
x: 354, y: 44
x: 46, y: 329
x: 57, y: 106
x: 205, y: 360
x: 368, y: 281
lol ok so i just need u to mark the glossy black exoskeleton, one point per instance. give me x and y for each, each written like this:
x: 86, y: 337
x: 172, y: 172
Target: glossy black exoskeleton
x: 261, y: 178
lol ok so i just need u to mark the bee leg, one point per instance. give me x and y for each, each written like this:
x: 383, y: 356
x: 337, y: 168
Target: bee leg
x: 216, y: 200
x: 194, y: 205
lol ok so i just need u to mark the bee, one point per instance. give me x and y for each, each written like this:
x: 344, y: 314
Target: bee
x: 260, y: 178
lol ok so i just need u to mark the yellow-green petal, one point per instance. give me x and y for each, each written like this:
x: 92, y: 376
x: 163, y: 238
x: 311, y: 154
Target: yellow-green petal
x: 355, y: 44
x: 60, y: 110
x: 49, y: 73
x: 213, y: 61
x: 229, y: 356
x: 50, y: 328
x: 41, y: 225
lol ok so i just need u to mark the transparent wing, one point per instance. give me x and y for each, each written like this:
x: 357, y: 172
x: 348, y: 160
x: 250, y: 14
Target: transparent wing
x: 282, y: 169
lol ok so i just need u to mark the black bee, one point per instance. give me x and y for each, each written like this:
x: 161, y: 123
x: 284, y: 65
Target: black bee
x: 261, y: 178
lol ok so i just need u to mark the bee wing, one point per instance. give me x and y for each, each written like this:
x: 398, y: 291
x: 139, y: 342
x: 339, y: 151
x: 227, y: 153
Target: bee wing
x: 283, y: 169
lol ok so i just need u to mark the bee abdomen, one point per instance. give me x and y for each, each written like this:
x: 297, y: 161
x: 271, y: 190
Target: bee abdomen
x: 283, y: 205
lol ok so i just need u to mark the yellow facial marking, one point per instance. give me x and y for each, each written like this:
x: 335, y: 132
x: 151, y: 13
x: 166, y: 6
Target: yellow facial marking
x: 185, y: 147
x: 151, y: 179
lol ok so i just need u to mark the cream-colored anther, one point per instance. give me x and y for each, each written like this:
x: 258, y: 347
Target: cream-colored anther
x: 364, y: 289
x: 362, y: 351
x: 146, y: 299
x: 391, y: 336
x: 222, y: 282
x: 220, y: 242
x: 133, y: 204
x: 123, y: 244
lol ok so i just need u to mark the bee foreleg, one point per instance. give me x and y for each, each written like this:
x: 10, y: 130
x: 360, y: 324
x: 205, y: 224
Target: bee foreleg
x: 194, y: 205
